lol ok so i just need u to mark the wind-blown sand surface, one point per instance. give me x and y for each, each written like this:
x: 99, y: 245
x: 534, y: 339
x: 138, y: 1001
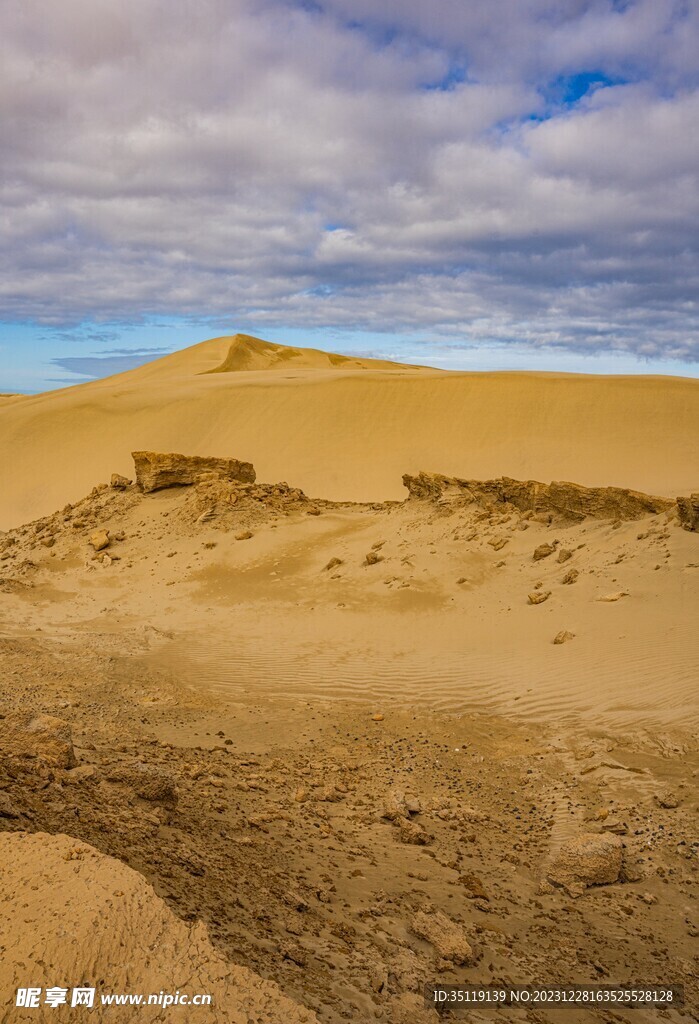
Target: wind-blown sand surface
x: 347, y: 430
x: 362, y: 741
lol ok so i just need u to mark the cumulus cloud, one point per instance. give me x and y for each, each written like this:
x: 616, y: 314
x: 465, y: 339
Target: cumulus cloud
x: 509, y: 172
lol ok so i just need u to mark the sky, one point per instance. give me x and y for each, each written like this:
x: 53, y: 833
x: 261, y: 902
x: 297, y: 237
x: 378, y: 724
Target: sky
x: 510, y: 184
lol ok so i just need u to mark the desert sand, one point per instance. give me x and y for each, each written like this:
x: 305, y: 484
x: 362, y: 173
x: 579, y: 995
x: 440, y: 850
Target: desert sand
x: 347, y: 430
x: 353, y: 727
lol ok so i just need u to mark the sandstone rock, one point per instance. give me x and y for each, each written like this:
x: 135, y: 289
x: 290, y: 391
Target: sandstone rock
x: 395, y: 806
x: 543, y: 551
x: 99, y: 539
x: 563, y: 637
x: 147, y: 783
x: 413, y: 833
x: 617, y: 596
x: 333, y: 563
x: 564, y: 554
x: 82, y: 773
x: 156, y: 786
x: 570, y: 577
x: 668, y: 800
x: 590, y: 859
x: 566, y: 500
x: 497, y: 543
x: 119, y: 482
x: 447, y: 937
x: 49, y: 739
x: 688, y: 509
x: 538, y: 596
x: 244, y: 535
x: 372, y: 558
x: 156, y: 470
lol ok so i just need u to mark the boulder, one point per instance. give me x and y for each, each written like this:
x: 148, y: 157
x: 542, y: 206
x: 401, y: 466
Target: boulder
x: 590, y: 859
x: 688, y: 509
x: 447, y: 937
x: 49, y: 739
x: 157, y: 470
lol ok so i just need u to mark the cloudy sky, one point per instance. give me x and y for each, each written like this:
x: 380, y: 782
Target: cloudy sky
x: 500, y: 184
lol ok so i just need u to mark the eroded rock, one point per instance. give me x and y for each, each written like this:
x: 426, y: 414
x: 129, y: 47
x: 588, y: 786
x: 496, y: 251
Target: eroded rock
x: 591, y: 859
x: 157, y: 470
x: 49, y: 739
x: 448, y: 938
x: 560, y: 498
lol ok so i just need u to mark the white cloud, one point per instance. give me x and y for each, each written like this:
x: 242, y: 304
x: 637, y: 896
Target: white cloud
x: 282, y: 166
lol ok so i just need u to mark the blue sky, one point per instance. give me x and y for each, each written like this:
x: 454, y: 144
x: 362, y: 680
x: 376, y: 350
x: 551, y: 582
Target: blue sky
x: 501, y: 185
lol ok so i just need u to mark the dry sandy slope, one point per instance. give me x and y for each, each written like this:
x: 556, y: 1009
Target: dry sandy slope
x: 348, y: 431
x: 76, y: 917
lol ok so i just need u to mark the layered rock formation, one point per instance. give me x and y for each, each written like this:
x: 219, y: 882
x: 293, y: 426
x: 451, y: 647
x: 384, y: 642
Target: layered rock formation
x: 560, y: 498
x: 156, y: 470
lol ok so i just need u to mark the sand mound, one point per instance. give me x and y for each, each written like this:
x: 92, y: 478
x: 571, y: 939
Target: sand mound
x: 78, y: 918
x: 347, y: 429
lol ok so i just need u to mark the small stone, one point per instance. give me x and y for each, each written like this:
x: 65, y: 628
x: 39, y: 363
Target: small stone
x: 563, y: 637
x: 668, y: 800
x: 301, y: 795
x: 119, y: 482
x: 395, y: 806
x: 609, y: 598
x: 99, y: 539
x: 244, y: 535
x: 539, y: 596
x: 378, y: 717
x: 332, y: 564
x: 543, y: 551
x: 571, y: 576
x: 564, y: 554
x: 372, y: 558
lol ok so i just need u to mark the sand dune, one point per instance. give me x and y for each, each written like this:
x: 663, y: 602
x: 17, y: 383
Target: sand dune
x: 347, y: 430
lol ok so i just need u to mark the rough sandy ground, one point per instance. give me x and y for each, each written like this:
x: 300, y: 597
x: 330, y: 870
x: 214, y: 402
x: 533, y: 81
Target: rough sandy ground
x: 351, y: 849
x: 347, y: 429
x: 77, y: 916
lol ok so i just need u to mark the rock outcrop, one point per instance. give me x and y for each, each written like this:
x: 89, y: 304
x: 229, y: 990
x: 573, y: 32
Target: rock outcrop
x: 565, y: 500
x: 157, y: 470
x: 688, y: 509
x: 97, y: 923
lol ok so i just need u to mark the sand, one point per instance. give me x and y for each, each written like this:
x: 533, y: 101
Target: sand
x: 362, y: 737
x: 349, y: 431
